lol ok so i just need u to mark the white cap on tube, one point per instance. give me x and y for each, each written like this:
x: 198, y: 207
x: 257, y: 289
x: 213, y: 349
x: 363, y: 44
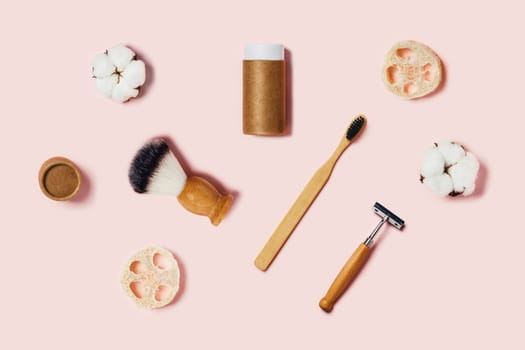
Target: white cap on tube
x: 270, y: 52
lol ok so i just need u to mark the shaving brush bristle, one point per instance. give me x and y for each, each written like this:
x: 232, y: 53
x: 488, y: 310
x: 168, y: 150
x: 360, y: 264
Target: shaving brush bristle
x: 155, y: 169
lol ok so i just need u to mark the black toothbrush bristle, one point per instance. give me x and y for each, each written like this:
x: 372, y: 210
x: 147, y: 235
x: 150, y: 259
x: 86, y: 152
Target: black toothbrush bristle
x: 145, y: 163
x: 355, y: 127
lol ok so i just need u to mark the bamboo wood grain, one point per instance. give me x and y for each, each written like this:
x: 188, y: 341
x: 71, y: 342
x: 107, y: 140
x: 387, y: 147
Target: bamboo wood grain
x: 298, y: 209
x: 349, y: 271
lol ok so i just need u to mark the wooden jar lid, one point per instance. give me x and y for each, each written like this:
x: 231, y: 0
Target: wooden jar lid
x: 59, y: 178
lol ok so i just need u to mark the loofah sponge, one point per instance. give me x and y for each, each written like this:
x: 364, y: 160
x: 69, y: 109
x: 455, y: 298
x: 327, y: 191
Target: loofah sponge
x: 151, y: 277
x: 411, y: 70
x: 118, y: 74
x: 448, y: 170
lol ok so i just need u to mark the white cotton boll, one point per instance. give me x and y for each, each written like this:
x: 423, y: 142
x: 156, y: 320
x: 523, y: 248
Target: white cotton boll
x: 106, y: 85
x: 121, y: 56
x: 135, y: 74
x: 448, y: 169
x: 117, y: 74
x: 122, y: 92
x: 452, y: 152
x: 433, y: 163
x: 464, y: 174
x: 102, y: 66
x: 471, y: 162
x: 469, y: 190
x: 440, y: 184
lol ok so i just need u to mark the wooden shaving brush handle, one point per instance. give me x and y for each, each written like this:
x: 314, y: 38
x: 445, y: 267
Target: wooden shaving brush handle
x: 201, y: 198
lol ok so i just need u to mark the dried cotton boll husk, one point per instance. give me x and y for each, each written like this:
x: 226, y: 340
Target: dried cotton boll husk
x: 447, y: 169
x: 118, y: 73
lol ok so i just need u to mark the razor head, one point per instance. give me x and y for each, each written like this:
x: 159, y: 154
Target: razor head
x: 393, y: 219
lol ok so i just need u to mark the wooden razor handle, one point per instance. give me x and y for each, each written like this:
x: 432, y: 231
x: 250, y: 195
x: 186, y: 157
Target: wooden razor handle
x: 345, y: 277
x: 200, y: 197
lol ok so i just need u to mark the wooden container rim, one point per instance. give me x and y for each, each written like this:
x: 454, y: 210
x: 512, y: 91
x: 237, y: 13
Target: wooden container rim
x: 51, y: 163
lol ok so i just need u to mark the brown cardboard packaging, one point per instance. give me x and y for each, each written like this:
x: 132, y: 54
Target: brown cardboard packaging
x: 264, y: 97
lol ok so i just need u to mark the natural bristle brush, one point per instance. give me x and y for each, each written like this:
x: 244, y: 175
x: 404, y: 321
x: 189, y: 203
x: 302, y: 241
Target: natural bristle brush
x: 357, y: 260
x: 305, y: 199
x: 155, y: 169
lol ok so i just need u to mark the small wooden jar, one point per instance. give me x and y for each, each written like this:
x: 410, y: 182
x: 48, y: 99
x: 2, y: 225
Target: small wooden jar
x: 59, y: 178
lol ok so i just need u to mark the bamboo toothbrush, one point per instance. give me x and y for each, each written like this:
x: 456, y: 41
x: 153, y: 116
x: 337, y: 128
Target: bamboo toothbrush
x: 305, y: 199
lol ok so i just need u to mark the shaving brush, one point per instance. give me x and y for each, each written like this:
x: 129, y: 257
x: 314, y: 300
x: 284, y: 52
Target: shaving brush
x: 155, y: 169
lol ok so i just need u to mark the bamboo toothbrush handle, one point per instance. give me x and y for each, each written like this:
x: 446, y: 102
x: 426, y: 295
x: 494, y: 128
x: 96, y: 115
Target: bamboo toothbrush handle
x: 294, y: 215
x: 345, y: 277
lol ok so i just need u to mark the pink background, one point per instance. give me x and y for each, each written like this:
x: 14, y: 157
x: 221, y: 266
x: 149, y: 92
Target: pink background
x: 453, y: 279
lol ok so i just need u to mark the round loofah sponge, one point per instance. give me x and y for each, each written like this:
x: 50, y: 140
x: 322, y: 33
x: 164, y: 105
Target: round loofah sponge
x: 448, y: 170
x: 411, y: 70
x: 151, y: 277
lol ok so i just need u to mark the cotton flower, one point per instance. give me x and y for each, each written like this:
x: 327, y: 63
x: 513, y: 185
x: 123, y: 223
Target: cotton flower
x: 448, y: 170
x: 118, y: 74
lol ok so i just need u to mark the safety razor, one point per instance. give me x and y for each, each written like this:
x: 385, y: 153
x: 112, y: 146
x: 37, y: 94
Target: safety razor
x: 358, y: 258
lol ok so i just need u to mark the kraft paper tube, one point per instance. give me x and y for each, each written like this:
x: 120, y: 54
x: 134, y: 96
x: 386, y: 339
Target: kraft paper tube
x: 264, y: 90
